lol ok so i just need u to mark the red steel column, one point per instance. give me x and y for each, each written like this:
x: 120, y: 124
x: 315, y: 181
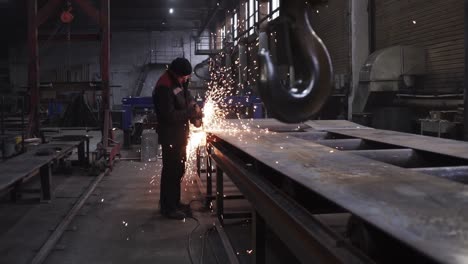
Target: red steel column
x: 105, y: 63
x: 465, y: 106
x: 33, y: 70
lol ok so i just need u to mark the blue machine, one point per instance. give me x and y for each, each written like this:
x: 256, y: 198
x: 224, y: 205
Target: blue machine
x: 129, y: 104
x: 54, y: 109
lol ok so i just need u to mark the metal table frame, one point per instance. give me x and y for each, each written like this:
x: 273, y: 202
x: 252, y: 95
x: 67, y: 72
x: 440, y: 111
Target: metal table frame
x: 388, y: 149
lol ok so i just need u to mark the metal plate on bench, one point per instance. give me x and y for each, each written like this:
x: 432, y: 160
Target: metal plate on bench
x: 424, y: 212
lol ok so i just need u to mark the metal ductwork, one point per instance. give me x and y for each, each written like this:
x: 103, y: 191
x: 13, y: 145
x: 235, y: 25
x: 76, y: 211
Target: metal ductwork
x: 386, y: 71
x: 202, y: 70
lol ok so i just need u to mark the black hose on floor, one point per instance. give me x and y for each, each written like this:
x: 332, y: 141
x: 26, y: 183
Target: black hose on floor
x: 189, y: 237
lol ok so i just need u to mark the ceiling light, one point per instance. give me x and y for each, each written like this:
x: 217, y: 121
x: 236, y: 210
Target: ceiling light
x: 171, y: 10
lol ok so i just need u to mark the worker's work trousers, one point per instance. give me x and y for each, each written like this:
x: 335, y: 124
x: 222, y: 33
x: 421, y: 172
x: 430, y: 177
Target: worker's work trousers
x: 174, y: 157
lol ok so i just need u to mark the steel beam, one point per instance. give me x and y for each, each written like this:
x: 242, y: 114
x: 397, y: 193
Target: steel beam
x: 455, y: 173
x: 51, y: 7
x: 208, y: 20
x: 342, y: 144
x: 308, y: 239
x: 91, y: 11
x: 73, y: 37
x: 312, y: 136
x: 397, y: 157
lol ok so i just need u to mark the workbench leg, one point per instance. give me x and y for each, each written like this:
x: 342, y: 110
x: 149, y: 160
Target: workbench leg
x: 258, y: 238
x: 46, y: 182
x: 81, y: 153
x: 219, y: 194
x: 15, y: 192
x: 209, y: 181
x: 198, y: 162
x: 87, y: 152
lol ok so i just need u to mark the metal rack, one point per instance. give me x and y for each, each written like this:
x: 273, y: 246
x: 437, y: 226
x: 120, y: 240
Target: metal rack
x: 397, y: 187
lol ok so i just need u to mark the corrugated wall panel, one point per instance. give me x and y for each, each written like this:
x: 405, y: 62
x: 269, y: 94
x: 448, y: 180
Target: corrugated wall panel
x: 331, y: 23
x: 437, y: 26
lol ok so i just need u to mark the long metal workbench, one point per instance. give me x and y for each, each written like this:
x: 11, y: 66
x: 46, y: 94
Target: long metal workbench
x: 380, y: 177
x: 37, y: 161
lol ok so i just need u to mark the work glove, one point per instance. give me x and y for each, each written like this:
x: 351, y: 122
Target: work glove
x: 194, y: 111
x: 195, y: 114
x: 196, y: 122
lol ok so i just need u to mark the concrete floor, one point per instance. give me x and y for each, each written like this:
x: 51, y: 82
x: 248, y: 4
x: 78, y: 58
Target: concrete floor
x: 119, y: 223
x: 26, y: 224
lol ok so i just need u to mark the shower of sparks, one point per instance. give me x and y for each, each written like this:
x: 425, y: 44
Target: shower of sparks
x: 218, y: 110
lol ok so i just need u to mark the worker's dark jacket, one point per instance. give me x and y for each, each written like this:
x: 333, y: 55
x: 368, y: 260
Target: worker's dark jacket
x: 171, y: 103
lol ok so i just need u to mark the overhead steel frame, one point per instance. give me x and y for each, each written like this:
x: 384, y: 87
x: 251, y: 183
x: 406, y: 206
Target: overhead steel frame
x: 35, y: 19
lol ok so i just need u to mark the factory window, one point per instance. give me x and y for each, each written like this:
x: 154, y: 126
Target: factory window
x: 274, y: 6
x: 246, y: 12
x: 268, y: 10
x: 253, y: 16
x: 257, y: 10
x: 234, y: 27
x: 222, y: 35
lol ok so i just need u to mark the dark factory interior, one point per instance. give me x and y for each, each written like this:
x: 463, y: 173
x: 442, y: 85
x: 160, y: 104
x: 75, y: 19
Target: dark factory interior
x: 233, y: 131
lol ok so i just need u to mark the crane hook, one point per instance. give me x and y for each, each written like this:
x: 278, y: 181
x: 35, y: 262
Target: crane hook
x: 311, y: 82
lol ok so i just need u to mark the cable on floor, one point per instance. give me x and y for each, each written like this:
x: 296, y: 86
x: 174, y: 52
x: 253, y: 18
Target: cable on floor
x: 189, y: 237
x: 205, y: 237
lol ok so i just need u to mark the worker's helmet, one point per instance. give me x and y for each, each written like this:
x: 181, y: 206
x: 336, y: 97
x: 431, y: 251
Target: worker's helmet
x: 181, y: 67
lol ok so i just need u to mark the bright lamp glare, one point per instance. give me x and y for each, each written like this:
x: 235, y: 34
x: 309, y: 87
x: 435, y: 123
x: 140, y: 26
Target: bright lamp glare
x: 171, y: 10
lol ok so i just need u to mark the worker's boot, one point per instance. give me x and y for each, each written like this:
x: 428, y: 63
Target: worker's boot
x: 175, y: 214
x: 185, y: 208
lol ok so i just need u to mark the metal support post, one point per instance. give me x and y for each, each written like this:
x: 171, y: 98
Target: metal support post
x: 2, y: 124
x: 209, y: 177
x: 258, y: 238
x: 465, y: 109
x: 15, y: 192
x: 33, y: 69
x: 87, y: 151
x: 46, y: 182
x: 23, y: 105
x: 219, y: 194
x: 105, y: 62
x: 81, y: 153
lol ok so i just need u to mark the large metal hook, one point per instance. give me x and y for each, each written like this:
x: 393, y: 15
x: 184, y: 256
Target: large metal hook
x: 311, y: 79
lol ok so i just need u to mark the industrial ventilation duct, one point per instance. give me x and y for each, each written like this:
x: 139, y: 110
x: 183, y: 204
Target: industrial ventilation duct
x: 385, y: 71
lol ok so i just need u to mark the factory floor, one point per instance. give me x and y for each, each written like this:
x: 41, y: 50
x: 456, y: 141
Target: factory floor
x: 119, y: 223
